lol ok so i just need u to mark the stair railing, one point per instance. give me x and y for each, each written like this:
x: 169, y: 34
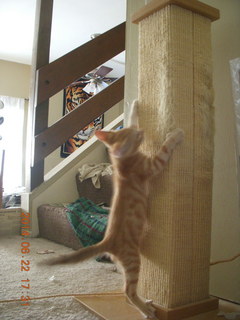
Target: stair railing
x: 50, y: 78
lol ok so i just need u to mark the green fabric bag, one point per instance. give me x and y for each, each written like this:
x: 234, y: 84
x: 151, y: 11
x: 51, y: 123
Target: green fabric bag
x: 88, y: 220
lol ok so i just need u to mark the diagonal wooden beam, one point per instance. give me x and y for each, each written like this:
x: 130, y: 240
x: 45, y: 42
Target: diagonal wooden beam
x: 53, y: 137
x: 60, y: 73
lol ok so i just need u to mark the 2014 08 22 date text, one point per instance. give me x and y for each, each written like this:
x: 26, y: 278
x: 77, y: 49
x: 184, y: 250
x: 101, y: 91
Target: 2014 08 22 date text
x: 25, y: 262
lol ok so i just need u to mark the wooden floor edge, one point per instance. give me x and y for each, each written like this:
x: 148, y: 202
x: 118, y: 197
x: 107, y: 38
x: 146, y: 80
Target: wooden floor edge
x: 100, y: 294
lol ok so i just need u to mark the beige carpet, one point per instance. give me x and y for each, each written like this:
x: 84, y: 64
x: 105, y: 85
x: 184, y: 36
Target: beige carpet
x: 85, y: 277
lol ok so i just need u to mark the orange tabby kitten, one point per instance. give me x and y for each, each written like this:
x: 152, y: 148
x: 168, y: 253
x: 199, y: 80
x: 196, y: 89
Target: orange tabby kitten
x: 131, y: 172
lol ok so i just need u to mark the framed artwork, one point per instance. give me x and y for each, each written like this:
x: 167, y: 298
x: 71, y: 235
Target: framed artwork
x: 74, y: 96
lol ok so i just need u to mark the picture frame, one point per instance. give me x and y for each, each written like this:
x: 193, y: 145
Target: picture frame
x: 73, y: 97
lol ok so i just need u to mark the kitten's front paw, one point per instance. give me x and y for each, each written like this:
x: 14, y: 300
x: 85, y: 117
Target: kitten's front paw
x: 133, y: 117
x: 135, y: 104
x: 134, y: 111
x: 177, y: 135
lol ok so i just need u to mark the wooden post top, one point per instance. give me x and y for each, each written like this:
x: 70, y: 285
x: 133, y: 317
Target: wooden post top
x: 192, y: 5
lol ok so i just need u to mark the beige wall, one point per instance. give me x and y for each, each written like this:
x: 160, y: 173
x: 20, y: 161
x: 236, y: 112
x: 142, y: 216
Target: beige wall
x: 225, y: 280
x: 14, y: 79
x: 131, y: 77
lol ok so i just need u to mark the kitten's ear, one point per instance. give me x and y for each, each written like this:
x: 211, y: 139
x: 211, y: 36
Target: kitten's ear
x: 102, y: 135
x: 133, y: 116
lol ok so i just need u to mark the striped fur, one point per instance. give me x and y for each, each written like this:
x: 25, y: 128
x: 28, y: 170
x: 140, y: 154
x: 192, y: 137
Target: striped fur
x: 131, y: 172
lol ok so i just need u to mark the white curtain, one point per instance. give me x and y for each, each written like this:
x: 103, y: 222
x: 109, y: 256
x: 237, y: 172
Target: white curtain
x: 11, y: 132
x: 235, y: 70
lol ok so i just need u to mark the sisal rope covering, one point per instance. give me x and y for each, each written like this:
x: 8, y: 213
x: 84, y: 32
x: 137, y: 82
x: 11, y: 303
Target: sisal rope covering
x: 175, y: 90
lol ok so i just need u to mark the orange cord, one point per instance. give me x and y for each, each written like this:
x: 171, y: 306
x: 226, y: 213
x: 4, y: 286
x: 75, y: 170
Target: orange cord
x: 226, y: 260
x: 64, y: 295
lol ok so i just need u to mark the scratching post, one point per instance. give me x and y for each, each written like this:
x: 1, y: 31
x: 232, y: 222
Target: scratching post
x: 175, y: 90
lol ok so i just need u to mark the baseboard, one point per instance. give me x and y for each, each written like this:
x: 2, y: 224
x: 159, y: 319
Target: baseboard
x: 189, y: 310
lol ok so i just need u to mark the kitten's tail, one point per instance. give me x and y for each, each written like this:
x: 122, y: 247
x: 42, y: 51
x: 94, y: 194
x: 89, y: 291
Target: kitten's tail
x: 77, y: 256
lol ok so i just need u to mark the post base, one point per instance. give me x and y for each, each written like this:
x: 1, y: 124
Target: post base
x: 113, y: 306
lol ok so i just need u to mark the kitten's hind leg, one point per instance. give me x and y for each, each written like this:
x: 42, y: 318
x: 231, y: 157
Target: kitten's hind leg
x: 133, y: 116
x: 131, y: 271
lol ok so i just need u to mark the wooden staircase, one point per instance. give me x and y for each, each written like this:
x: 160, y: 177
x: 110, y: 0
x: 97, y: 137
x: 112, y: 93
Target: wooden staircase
x: 50, y: 78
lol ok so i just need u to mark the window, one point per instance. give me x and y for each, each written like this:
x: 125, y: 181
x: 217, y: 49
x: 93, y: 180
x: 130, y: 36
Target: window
x: 11, y: 135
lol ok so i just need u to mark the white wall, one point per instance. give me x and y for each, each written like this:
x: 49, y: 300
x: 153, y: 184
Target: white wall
x: 131, y: 77
x: 225, y: 279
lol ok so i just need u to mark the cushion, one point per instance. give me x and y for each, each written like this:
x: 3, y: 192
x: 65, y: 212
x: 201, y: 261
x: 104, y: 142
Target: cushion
x: 54, y: 225
x: 87, y: 190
